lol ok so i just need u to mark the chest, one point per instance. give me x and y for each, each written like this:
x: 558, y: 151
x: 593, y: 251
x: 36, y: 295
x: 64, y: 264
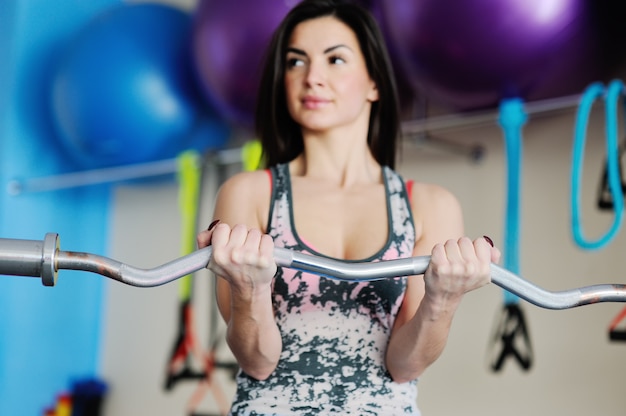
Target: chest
x: 346, y: 224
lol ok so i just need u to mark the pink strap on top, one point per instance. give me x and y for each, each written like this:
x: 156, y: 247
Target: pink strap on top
x: 409, y: 189
x: 269, y: 175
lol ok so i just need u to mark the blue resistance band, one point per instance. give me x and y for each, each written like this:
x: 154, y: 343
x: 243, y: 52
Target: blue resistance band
x: 612, y: 97
x: 512, y: 118
x: 511, y: 338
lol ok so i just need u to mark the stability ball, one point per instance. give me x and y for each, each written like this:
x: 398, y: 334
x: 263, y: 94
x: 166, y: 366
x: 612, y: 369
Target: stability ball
x: 229, y: 42
x: 407, y: 94
x: 470, y: 54
x: 125, y: 93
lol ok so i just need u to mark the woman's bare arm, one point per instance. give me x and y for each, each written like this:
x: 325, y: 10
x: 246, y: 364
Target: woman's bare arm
x: 243, y: 260
x: 458, y: 265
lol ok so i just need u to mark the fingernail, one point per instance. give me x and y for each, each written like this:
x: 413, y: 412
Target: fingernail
x: 489, y: 240
x: 213, y: 224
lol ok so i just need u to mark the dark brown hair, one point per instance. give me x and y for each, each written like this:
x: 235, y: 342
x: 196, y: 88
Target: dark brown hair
x: 280, y: 135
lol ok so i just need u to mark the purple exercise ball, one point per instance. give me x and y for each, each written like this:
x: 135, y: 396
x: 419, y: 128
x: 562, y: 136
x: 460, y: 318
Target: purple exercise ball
x: 470, y: 54
x: 407, y: 94
x: 229, y: 42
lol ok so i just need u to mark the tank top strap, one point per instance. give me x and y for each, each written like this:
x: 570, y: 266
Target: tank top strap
x: 280, y: 222
x: 401, y: 227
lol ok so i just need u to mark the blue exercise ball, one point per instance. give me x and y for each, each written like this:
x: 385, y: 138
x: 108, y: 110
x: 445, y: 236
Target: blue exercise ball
x: 470, y: 54
x: 125, y: 92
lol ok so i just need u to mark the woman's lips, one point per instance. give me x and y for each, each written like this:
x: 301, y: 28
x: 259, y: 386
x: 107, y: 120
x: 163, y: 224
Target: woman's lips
x: 312, y: 103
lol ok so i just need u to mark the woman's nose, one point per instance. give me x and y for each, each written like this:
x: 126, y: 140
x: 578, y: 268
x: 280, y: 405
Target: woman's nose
x: 316, y: 74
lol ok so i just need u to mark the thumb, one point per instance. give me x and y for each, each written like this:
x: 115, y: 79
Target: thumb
x: 204, y: 237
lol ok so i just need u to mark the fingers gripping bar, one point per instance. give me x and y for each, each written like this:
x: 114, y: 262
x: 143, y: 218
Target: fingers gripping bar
x: 44, y: 259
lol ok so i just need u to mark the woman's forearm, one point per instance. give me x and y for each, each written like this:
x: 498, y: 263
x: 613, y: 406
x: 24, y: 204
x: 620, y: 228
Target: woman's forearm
x: 414, y: 346
x: 252, y: 333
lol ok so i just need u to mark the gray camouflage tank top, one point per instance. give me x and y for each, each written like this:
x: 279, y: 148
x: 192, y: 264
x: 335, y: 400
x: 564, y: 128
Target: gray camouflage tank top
x: 334, y: 333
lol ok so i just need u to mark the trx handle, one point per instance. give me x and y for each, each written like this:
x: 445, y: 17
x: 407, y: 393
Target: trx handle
x: 44, y: 259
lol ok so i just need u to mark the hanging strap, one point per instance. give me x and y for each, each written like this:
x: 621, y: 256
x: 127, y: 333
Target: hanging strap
x: 251, y: 155
x: 617, y: 333
x: 612, y: 95
x: 185, y: 345
x: 511, y: 339
x: 512, y: 119
x: 189, y: 178
x: 512, y: 326
x: 605, y: 198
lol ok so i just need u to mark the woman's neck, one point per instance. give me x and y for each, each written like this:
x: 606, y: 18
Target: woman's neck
x: 344, y: 169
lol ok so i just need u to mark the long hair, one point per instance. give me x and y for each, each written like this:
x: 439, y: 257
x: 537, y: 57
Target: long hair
x: 279, y: 134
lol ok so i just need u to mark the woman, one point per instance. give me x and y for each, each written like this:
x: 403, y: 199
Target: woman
x: 328, y: 120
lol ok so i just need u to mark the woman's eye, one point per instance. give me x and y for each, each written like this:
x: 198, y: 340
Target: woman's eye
x: 293, y: 62
x: 336, y: 60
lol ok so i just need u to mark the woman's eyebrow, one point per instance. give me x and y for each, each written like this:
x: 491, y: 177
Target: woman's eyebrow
x: 296, y: 51
x: 326, y: 51
x: 332, y: 48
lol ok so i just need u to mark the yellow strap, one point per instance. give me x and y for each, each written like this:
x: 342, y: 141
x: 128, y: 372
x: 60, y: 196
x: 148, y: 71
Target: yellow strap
x: 251, y: 153
x: 189, y: 177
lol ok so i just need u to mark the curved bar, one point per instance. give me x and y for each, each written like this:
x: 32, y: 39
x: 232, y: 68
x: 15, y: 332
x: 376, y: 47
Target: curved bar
x: 43, y: 259
x: 360, y: 272
x: 556, y: 300
x: 130, y: 275
x: 340, y: 270
x: 499, y: 276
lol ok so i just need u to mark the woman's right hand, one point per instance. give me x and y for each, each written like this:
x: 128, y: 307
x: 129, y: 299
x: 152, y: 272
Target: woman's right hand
x: 244, y: 257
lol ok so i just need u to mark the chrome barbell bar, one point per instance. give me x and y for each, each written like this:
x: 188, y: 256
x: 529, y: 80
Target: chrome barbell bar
x: 44, y: 259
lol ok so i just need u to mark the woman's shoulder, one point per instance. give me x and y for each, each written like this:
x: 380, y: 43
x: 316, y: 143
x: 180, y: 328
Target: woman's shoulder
x: 437, y: 214
x: 245, y: 198
x: 251, y: 189
x: 432, y: 196
x: 246, y: 184
x: 248, y: 178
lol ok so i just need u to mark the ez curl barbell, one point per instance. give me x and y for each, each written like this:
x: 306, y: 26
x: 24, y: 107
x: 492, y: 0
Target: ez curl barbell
x: 43, y: 258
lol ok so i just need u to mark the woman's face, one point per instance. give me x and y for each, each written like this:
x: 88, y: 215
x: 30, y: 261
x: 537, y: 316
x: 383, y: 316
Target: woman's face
x: 326, y: 79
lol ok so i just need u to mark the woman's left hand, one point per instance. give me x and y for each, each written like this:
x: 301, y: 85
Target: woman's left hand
x: 459, y: 266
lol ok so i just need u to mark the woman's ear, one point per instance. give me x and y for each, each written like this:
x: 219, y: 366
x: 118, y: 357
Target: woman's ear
x: 372, y: 96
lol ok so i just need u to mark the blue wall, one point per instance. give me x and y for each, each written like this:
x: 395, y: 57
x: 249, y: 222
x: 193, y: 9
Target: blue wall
x: 48, y: 336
